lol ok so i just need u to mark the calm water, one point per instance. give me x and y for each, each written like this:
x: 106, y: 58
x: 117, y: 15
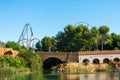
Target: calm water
x: 56, y: 76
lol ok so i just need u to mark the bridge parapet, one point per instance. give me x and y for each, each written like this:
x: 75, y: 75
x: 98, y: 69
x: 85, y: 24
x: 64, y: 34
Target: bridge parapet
x: 99, y: 52
x: 63, y: 56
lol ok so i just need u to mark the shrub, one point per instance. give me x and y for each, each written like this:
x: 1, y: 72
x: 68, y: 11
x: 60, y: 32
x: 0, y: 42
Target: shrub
x: 10, y: 61
x: 109, y: 69
x: 7, y: 70
x: 32, y: 60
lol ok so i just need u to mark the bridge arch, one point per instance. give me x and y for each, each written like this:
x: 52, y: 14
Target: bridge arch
x: 116, y: 59
x: 106, y: 60
x: 85, y: 61
x: 50, y: 62
x: 96, y: 61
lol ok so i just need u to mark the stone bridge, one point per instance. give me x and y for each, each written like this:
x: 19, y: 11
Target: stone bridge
x: 63, y: 56
x: 95, y: 57
x: 53, y: 58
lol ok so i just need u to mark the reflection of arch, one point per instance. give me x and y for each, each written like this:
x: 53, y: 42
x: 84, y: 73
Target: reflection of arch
x: 52, y: 61
x: 96, y: 61
x: 116, y: 59
x: 86, y: 61
x: 106, y: 60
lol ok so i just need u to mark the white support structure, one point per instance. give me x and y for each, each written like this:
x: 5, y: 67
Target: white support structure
x: 100, y: 57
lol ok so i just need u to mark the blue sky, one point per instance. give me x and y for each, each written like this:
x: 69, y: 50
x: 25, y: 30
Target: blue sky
x: 47, y: 17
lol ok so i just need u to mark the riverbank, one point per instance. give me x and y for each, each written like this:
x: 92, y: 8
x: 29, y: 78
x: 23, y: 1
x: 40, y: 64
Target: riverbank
x: 13, y: 70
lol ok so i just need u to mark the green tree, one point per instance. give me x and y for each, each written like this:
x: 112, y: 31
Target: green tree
x: 65, y: 39
x: 13, y: 45
x: 104, y: 34
x: 53, y: 41
x: 68, y: 38
x: 82, y: 37
x: 74, y: 38
x: 60, y: 41
x: 47, y: 43
x: 79, y: 42
x: 95, y: 36
x: 115, y: 41
x: 32, y: 60
x: 38, y: 46
x: 8, y: 61
x: 79, y: 38
x: 108, y: 43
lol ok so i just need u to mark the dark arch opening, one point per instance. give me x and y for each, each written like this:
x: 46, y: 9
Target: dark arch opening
x: 116, y: 59
x: 106, y: 60
x: 8, y: 53
x: 50, y: 62
x: 86, y: 61
x: 96, y: 61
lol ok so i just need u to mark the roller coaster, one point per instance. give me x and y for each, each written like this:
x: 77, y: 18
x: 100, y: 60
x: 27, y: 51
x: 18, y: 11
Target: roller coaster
x: 26, y: 38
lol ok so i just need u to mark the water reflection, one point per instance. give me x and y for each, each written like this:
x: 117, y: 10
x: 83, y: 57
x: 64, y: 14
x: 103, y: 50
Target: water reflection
x: 58, y: 76
x: 33, y: 76
x: 98, y: 76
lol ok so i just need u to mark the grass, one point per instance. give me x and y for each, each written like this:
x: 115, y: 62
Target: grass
x: 77, y: 67
x: 12, y: 70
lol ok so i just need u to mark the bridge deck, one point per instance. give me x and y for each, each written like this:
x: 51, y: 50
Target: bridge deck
x: 99, y: 52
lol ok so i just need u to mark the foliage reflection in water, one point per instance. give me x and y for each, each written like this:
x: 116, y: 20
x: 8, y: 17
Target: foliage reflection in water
x: 33, y: 76
x: 61, y: 76
x: 90, y: 76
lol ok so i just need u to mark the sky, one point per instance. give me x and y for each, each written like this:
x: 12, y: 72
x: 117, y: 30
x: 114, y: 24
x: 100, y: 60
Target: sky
x: 48, y: 17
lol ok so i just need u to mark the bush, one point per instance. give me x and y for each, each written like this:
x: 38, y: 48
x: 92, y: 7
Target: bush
x: 23, y: 70
x: 26, y: 60
x: 109, y: 69
x: 32, y: 60
x: 12, y: 70
x: 10, y: 61
x: 7, y: 70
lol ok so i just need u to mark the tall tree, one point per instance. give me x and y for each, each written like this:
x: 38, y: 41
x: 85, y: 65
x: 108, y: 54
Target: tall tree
x: 108, y: 43
x: 83, y: 37
x: 60, y: 42
x: 69, y: 35
x: 104, y: 34
x: 38, y: 46
x: 115, y: 41
x: 95, y: 36
x: 13, y: 44
x: 47, y: 43
x: 78, y: 38
x: 65, y: 39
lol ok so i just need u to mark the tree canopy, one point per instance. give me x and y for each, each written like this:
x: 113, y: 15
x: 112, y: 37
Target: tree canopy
x: 81, y: 38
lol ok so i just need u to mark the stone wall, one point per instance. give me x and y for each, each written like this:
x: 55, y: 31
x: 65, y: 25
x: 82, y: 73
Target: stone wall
x: 63, y: 56
x: 8, y: 51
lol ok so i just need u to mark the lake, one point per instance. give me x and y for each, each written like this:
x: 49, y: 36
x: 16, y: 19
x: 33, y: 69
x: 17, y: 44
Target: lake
x: 61, y: 76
